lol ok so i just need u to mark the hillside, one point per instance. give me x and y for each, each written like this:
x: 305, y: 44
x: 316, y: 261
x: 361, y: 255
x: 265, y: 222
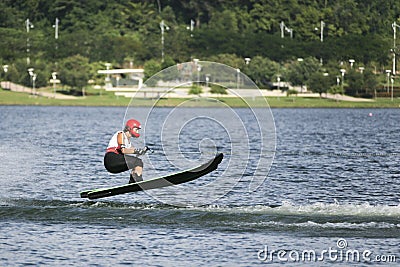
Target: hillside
x: 129, y: 32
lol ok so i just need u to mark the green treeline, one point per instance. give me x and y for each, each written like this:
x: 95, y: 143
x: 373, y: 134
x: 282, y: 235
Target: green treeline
x: 128, y: 33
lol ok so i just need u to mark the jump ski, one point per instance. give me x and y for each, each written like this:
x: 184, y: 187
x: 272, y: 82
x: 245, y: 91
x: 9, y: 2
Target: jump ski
x: 159, y: 182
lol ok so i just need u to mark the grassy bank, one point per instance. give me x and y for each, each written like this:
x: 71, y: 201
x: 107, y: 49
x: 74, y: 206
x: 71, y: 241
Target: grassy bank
x: 15, y: 98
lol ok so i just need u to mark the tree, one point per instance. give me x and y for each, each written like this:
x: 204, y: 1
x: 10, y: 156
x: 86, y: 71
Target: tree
x: 195, y: 90
x: 262, y: 70
x: 218, y: 89
x: 151, y: 67
x: 336, y: 89
x: 113, y: 30
x: 74, y: 72
x: 370, y: 81
x: 319, y: 83
x: 300, y: 71
x: 231, y: 60
x: 355, y: 82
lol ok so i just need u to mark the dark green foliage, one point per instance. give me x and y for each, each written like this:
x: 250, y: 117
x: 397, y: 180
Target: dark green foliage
x: 300, y: 71
x: 195, y: 90
x: 151, y: 67
x: 217, y: 89
x: 319, y: 82
x: 361, y: 84
x: 74, y: 72
x: 111, y: 31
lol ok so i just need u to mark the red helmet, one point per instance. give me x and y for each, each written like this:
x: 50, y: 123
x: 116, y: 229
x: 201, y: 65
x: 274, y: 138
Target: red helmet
x: 133, y: 126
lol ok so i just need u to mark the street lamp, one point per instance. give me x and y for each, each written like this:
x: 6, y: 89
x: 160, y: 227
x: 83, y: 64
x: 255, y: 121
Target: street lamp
x: 163, y: 27
x: 108, y: 79
x: 351, y: 61
x: 285, y: 28
x: 247, y: 60
x: 198, y: 68
x: 387, y: 79
x: 55, y: 26
x: 33, y: 81
x: 394, y: 25
x: 54, y: 80
x: 191, y: 27
x: 361, y: 69
x: 198, y: 73
x: 28, y: 26
x: 5, y: 68
x: 278, y: 79
x: 31, y: 74
x: 300, y: 60
x: 392, y: 82
x: 343, y: 71
x: 322, y: 30
x: 322, y: 25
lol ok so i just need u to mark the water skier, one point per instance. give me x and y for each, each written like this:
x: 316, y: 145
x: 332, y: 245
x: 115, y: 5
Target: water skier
x: 121, y: 155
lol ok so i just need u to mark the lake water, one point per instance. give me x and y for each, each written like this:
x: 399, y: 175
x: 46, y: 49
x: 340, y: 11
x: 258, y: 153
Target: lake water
x: 332, y: 195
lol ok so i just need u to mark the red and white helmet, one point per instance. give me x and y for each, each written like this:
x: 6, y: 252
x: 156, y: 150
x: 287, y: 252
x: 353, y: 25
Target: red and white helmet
x: 133, y: 126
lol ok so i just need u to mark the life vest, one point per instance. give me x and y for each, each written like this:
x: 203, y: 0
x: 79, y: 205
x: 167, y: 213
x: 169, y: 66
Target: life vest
x: 113, y: 145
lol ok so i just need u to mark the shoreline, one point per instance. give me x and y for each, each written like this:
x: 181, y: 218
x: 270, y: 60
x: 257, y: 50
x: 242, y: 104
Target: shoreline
x: 8, y: 98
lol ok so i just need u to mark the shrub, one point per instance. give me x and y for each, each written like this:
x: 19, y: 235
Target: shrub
x: 217, y: 89
x: 195, y: 90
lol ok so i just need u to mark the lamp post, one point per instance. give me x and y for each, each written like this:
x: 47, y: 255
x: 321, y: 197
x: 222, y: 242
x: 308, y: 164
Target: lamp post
x: 278, y: 79
x: 394, y: 25
x: 28, y: 26
x: 351, y: 61
x: 31, y: 73
x: 301, y: 60
x: 392, y: 82
x: 190, y: 27
x: 163, y: 27
x: 282, y: 26
x: 322, y: 30
x: 198, y: 73
x: 388, y: 79
x: 343, y: 71
x: 108, y: 79
x: 285, y: 28
x: 55, y: 26
x: 5, y: 68
x: 33, y: 82
x: 322, y: 25
x: 247, y: 60
x: 54, y: 76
